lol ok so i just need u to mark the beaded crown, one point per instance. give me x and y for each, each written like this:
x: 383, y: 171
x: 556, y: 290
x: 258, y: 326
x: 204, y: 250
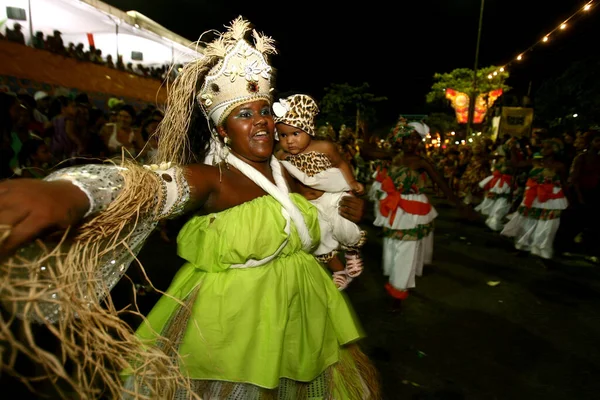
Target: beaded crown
x: 242, y: 74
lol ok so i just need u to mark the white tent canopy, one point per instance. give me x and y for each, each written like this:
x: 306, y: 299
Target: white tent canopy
x: 113, y: 31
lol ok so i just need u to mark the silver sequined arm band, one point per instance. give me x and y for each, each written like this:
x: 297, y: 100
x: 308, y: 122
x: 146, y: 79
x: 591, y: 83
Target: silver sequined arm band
x: 101, y: 183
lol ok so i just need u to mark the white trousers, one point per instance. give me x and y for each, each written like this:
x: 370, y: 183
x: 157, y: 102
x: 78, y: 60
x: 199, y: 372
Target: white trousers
x: 403, y: 260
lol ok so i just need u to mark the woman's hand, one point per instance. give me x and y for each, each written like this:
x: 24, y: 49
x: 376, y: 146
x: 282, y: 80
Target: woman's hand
x: 358, y: 188
x: 31, y: 207
x: 352, y: 208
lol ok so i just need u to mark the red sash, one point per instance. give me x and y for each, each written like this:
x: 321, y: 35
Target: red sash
x: 381, y: 174
x: 389, y: 206
x: 543, y: 192
x: 498, y: 176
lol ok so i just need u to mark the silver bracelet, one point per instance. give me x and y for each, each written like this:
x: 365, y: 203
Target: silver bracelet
x: 174, y: 187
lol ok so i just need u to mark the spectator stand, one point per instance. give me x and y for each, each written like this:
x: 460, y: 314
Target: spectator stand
x: 85, y: 45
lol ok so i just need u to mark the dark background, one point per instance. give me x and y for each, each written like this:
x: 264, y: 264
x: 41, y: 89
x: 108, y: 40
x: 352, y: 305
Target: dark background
x: 394, y: 46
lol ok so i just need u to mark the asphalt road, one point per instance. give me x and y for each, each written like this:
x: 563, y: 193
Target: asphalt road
x: 534, y: 335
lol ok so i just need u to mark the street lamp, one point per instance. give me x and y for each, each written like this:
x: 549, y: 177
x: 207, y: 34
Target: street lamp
x: 473, y: 95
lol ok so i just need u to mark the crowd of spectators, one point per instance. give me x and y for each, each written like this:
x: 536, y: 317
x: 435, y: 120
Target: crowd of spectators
x: 42, y: 132
x: 55, y: 44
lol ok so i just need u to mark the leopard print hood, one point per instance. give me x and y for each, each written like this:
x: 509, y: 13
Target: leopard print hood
x: 298, y: 110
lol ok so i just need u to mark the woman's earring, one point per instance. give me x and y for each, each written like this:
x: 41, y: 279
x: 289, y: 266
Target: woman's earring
x: 225, y: 151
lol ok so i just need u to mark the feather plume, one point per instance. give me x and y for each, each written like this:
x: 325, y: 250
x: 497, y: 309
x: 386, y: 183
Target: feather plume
x: 238, y: 28
x: 217, y: 48
x: 264, y: 44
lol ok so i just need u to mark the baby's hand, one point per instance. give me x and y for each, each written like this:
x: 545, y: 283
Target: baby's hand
x: 357, y: 188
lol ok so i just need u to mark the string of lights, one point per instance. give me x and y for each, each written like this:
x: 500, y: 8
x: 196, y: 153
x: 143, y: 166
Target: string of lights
x: 546, y: 38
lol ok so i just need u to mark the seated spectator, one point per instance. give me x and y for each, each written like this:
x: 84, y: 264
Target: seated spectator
x: 148, y: 131
x: 42, y: 106
x: 20, y: 119
x: 58, y: 42
x: 147, y: 112
x: 35, y: 158
x: 15, y: 34
x: 99, y: 59
x: 140, y: 70
x: 130, y: 68
x: 7, y: 110
x: 80, y: 53
x: 113, y: 108
x: 109, y: 61
x: 35, y: 126
x: 81, y: 122
x: 38, y: 40
x: 91, y: 54
x: 95, y: 145
x: 94, y: 55
x: 64, y: 142
x: 71, y: 50
x: 120, y: 64
x: 55, y: 43
x: 122, y: 135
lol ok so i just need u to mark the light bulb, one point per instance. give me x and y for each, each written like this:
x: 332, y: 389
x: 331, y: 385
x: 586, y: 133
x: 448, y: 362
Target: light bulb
x: 563, y: 26
x: 545, y: 39
x: 502, y: 69
x: 587, y: 7
x: 490, y: 76
x: 520, y: 57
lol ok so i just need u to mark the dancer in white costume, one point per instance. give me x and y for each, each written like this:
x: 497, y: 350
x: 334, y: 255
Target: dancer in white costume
x: 375, y: 191
x: 535, y: 223
x: 324, y: 178
x: 407, y: 216
x: 498, y: 187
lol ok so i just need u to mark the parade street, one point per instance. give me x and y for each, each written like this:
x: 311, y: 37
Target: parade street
x: 483, y: 323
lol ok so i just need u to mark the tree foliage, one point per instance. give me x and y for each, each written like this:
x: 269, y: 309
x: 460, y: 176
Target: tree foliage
x: 461, y: 79
x: 575, y: 91
x: 343, y: 104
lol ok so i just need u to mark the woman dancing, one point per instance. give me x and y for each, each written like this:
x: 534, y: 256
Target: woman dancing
x: 251, y: 314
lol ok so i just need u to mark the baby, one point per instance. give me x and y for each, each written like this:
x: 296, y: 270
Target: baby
x: 324, y: 177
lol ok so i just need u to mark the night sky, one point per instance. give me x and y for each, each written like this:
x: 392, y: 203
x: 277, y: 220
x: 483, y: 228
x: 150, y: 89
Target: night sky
x: 394, y: 46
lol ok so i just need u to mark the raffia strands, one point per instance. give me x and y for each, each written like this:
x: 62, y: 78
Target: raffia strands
x: 360, y: 376
x: 93, y: 344
x: 174, y: 143
x: 352, y: 378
